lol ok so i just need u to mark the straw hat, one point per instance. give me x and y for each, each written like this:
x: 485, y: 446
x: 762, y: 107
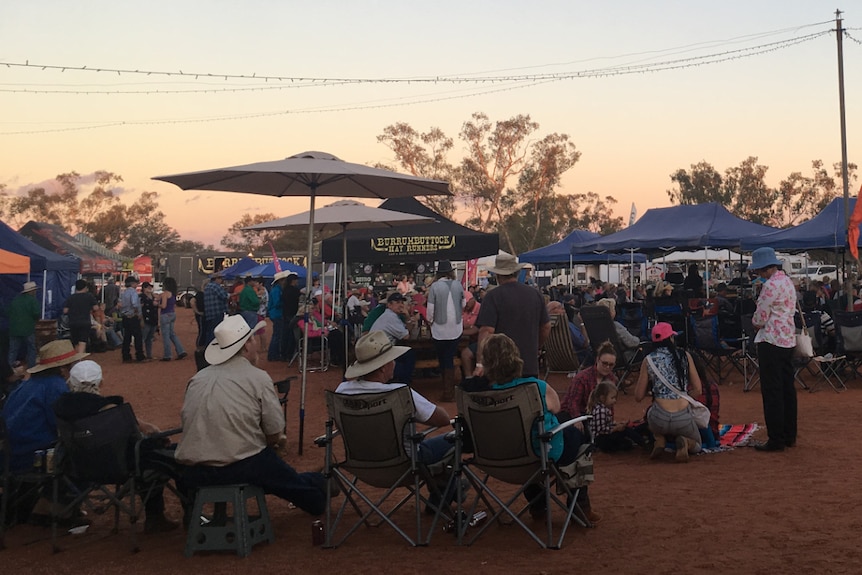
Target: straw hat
x: 506, y: 265
x: 373, y: 350
x: 54, y: 354
x: 230, y: 335
x: 29, y: 286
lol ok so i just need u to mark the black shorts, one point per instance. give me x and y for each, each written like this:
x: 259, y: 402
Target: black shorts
x: 79, y: 333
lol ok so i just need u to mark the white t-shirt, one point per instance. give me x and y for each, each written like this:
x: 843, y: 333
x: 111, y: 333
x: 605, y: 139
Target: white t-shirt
x: 422, y: 408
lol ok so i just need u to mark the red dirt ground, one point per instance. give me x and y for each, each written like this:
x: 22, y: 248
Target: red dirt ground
x: 735, y: 512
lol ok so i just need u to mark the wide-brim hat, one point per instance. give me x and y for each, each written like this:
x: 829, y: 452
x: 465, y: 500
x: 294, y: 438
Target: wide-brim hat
x: 763, y: 258
x: 506, y: 265
x: 55, y: 354
x: 373, y: 350
x: 230, y: 335
x: 444, y: 267
x: 29, y: 286
x: 283, y: 274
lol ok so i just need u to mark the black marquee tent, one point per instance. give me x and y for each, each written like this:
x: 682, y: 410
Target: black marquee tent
x: 441, y: 240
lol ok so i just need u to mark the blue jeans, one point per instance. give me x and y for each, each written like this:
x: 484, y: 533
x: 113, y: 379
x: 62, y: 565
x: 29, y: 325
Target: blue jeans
x: 209, y: 333
x: 149, y: 333
x: 274, y: 352
x: 28, y: 342
x: 269, y: 472
x: 166, y: 322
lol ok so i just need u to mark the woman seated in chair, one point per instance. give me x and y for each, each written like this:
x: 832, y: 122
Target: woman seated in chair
x: 503, y: 367
x: 629, y: 342
x: 665, y: 369
x: 580, y: 341
x: 318, y: 328
x: 84, y: 400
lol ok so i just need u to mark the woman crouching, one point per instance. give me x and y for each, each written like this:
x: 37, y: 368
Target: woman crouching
x: 666, y: 370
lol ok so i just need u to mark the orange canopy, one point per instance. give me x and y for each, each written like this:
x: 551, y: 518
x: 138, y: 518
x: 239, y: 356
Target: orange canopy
x: 12, y: 263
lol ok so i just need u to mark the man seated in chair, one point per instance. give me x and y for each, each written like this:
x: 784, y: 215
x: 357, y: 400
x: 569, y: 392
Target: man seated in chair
x: 391, y: 324
x: 373, y: 368
x: 233, y: 423
x: 84, y: 400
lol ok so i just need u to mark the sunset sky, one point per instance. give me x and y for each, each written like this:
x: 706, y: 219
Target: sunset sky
x: 633, y: 129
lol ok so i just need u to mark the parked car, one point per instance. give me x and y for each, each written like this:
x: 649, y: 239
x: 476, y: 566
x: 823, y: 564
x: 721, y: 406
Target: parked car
x: 185, y: 295
x: 818, y: 272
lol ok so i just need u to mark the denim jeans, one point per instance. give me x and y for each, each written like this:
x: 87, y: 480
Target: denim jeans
x: 274, y: 353
x: 28, y: 342
x: 149, y: 333
x: 446, y: 350
x: 269, y: 472
x: 166, y: 323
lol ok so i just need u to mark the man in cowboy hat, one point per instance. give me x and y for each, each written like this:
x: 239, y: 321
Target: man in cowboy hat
x: 775, y: 340
x: 30, y: 421
x: 516, y: 310
x: 232, y: 424
x: 274, y: 311
x: 391, y: 324
x: 373, y: 368
x: 23, y: 313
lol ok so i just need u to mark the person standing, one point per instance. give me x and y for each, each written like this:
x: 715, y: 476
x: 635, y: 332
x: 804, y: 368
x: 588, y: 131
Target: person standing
x: 444, y: 308
x: 168, y: 319
x: 290, y: 295
x: 198, y: 307
x: 515, y: 310
x: 80, y: 307
x: 130, y: 309
x: 150, y: 314
x: 775, y: 340
x: 23, y: 313
x: 249, y: 302
x: 111, y: 295
x: 274, y: 353
x: 215, y: 306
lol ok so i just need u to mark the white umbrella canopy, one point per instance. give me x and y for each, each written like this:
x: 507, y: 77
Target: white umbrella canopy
x: 309, y: 174
x: 345, y: 214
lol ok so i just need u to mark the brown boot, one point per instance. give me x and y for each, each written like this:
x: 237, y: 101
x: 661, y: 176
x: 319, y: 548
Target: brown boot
x: 682, y: 444
x: 448, y: 394
x: 658, y: 447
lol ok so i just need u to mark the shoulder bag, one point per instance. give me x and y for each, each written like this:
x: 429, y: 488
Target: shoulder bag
x: 804, y: 346
x: 699, y: 411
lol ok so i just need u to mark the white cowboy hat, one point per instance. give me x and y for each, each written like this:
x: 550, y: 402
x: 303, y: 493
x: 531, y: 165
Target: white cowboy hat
x: 283, y: 274
x: 373, y: 350
x: 230, y: 335
x: 506, y: 265
x: 29, y: 286
x: 54, y: 354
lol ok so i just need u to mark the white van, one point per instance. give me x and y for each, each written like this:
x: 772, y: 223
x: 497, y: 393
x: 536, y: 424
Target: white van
x: 818, y: 272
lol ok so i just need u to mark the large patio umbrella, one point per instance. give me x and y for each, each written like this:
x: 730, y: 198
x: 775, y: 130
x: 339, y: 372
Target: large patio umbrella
x: 342, y: 215
x: 309, y: 174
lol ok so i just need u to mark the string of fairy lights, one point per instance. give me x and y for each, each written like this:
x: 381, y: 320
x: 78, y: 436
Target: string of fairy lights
x: 471, y: 85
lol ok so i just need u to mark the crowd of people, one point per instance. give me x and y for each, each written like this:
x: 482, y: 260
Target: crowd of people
x: 497, y: 333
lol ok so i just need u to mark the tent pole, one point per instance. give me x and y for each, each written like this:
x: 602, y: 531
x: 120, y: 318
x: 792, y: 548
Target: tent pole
x: 344, y: 318
x: 44, y: 289
x: 309, y: 274
x: 706, y: 269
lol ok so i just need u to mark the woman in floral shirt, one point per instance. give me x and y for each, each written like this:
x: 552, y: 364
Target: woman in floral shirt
x: 775, y: 339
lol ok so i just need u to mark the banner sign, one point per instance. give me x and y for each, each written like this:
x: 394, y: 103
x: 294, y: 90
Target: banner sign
x: 413, y: 245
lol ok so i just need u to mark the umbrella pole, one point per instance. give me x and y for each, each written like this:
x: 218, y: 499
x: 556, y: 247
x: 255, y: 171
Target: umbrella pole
x: 306, y: 316
x: 344, y: 319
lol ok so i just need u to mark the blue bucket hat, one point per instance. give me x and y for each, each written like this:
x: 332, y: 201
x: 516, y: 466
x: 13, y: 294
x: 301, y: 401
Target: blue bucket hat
x: 763, y: 258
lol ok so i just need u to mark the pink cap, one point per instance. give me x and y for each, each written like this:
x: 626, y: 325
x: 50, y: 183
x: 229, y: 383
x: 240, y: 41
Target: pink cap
x: 662, y: 331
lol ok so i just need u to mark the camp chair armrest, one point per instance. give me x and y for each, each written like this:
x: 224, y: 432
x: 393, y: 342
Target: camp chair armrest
x: 421, y: 436
x: 142, y: 438
x: 569, y: 423
x: 321, y: 440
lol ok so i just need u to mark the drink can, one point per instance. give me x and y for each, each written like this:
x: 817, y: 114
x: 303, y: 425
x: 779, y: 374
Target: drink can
x: 317, y: 533
x: 39, y: 460
x: 49, y: 461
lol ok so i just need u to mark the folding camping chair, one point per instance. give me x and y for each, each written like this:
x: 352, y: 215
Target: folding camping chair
x: 378, y: 433
x: 560, y: 355
x: 720, y: 355
x: 99, y: 465
x: 848, y: 336
x: 750, y: 365
x: 669, y: 309
x: 632, y: 316
x: 600, y: 328
x: 504, y: 426
x: 318, y: 345
x: 828, y: 365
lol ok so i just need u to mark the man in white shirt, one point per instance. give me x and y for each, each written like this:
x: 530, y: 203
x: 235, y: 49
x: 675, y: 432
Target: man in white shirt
x: 391, y: 324
x: 232, y: 423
